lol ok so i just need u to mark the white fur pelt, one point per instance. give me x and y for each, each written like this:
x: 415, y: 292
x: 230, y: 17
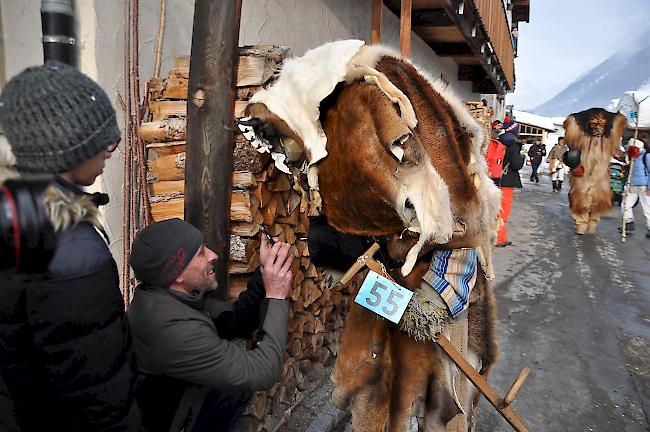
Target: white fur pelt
x: 303, y: 84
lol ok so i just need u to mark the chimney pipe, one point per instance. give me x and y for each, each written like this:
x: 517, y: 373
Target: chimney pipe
x: 57, y: 23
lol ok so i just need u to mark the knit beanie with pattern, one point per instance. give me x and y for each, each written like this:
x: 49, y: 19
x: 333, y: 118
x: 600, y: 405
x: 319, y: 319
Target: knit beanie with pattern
x: 55, y: 117
x: 161, y: 251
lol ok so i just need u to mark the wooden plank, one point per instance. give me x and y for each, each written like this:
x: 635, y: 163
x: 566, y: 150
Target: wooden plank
x: 440, y: 34
x: 211, y: 93
x: 375, y: 32
x: 405, y: 28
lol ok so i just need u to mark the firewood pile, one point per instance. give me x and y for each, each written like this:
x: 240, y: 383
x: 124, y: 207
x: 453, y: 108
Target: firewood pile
x: 484, y: 117
x: 261, y: 194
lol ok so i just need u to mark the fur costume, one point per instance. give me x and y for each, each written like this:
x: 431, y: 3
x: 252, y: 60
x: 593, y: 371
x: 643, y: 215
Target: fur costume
x: 399, y: 153
x: 597, y: 134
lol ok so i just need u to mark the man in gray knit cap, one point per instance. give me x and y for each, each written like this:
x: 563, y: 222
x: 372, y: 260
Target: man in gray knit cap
x: 65, y: 343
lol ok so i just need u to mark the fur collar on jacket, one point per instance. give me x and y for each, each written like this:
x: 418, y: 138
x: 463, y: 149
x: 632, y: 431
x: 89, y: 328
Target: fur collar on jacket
x: 65, y: 204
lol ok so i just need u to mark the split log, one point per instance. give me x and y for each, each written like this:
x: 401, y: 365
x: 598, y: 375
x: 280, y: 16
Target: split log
x: 310, y: 292
x: 163, y: 109
x: 170, y: 167
x: 167, y: 148
x: 251, y: 71
x: 171, y: 129
x: 242, y: 249
x: 245, y: 267
x: 247, y: 229
x: 242, y: 207
x: 171, y: 187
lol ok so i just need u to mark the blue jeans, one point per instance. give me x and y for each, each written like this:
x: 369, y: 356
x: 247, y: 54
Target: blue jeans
x: 220, y: 410
x: 533, y: 175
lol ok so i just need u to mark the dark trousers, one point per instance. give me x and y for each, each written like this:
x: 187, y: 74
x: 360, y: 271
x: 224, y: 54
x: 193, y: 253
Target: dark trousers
x: 220, y: 410
x: 533, y: 175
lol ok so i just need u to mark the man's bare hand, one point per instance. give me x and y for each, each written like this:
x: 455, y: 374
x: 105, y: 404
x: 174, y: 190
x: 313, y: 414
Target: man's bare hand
x: 276, y: 268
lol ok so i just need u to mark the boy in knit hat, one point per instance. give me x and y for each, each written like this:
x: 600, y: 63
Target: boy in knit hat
x: 65, y: 343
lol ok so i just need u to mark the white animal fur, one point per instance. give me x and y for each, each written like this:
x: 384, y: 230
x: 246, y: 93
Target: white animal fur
x: 427, y: 191
x: 305, y: 81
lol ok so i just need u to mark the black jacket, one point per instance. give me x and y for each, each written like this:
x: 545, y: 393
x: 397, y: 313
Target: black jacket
x: 66, y: 360
x: 513, y: 161
x: 536, y: 152
x: 183, y: 349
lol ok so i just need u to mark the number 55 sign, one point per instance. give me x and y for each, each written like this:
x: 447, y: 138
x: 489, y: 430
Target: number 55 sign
x: 383, y: 297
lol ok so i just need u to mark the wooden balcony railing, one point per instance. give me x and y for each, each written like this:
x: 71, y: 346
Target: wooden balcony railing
x: 495, y: 22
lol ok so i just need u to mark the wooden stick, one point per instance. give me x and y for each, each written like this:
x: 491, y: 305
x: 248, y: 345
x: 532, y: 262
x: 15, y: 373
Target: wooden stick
x: 358, y: 264
x: 405, y: 28
x: 490, y: 394
x: 375, y: 32
x: 510, y: 396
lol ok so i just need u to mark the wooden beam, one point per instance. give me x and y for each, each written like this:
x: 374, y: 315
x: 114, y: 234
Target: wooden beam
x: 375, y: 33
x: 211, y: 102
x: 405, y: 28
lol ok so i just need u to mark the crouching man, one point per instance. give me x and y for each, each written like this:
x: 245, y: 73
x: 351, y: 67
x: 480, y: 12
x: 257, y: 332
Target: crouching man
x: 194, y: 377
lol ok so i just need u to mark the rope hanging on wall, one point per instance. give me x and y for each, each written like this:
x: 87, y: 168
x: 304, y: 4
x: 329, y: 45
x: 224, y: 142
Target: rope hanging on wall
x: 136, y: 214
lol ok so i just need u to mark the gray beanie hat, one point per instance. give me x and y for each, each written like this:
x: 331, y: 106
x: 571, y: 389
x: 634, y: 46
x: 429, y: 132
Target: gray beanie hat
x: 55, y: 117
x: 161, y: 251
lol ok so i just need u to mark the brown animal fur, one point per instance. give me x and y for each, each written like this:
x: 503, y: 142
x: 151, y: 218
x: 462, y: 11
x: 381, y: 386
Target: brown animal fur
x: 590, y: 194
x: 382, y: 375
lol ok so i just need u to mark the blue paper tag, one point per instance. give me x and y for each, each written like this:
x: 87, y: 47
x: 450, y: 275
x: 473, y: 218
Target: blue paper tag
x: 383, y: 297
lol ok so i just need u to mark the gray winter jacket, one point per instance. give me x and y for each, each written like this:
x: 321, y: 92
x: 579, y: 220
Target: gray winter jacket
x: 180, y: 337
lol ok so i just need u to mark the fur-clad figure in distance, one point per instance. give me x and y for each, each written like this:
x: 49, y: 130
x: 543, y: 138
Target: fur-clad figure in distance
x: 597, y: 134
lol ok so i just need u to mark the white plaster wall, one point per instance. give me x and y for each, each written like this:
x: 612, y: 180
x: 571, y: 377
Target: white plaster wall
x: 298, y: 24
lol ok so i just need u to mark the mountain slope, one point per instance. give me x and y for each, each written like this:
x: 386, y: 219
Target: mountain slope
x: 625, y: 70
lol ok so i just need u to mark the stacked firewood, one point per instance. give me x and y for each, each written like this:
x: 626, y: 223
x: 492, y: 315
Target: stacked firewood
x: 483, y: 115
x: 261, y: 195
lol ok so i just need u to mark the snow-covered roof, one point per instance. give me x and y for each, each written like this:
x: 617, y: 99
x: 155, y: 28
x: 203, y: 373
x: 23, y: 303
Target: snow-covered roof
x: 534, y: 120
x: 626, y: 104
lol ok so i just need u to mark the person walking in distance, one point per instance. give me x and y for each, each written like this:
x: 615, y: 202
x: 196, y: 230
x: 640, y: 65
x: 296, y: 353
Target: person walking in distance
x: 555, y: 165
x: 536, y: 152
x: 639, y: 185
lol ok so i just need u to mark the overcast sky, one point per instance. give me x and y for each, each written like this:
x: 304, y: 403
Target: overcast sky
x: 566, y: 38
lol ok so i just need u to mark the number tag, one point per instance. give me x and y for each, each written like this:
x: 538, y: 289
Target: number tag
x: 383, y: 297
